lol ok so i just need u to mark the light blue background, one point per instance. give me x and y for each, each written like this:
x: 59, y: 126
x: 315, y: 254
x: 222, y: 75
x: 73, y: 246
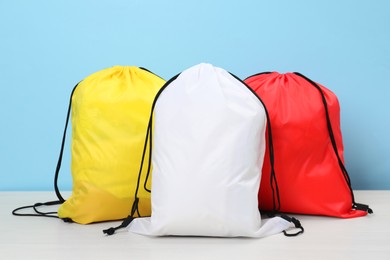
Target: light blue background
x: 48, y: 46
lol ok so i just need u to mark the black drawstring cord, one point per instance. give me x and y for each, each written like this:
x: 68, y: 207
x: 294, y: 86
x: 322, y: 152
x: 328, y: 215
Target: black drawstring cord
x: 355, y: 205
x: 36, y: 205
x: 150, y: 157
x: 296, y: 223
x: 363, y: 207
x: 56, y: 189
x: 148, y: 139
x: 150, y: 154
x: 134, y: 208
x: 273, y: 179
x: 126, y: 221
x: 150, y: 129
x: 38, y: 212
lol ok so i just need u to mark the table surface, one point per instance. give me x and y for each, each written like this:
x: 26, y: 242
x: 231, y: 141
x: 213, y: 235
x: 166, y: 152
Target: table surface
x: 324, y: 238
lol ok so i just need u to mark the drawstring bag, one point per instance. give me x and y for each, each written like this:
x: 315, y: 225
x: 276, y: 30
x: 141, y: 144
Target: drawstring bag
x: 208, y: 148
x: 109, y: 113
x: 308, y: 148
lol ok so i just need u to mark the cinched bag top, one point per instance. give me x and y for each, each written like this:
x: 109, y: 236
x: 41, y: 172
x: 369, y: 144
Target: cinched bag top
x: 208, y: 150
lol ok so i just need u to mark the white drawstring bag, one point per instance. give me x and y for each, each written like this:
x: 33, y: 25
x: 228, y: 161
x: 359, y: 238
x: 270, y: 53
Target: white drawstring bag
x: 209, y: 133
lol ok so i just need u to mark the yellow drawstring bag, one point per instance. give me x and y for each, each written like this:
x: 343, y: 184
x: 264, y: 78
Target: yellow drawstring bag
x: 110, y: 113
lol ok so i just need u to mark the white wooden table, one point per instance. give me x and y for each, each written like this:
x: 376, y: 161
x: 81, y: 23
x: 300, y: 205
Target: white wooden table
x: 324, y: 237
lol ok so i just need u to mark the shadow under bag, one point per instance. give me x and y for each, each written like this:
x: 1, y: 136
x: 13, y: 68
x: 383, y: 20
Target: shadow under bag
x: 308, y: 148
x: 208, y: 149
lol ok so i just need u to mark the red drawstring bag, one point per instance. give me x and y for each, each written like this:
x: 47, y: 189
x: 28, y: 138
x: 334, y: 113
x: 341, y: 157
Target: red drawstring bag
x: 308, y: 150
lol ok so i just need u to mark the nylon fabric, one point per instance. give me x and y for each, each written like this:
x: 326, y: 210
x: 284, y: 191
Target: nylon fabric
x: 208, y: 149
x: 309, y: 176
x: 110, y: 114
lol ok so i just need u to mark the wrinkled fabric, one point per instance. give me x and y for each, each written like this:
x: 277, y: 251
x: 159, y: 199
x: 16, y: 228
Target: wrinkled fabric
x: 208, y: 149
x: 308, y: 174
x: 110, y: 114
